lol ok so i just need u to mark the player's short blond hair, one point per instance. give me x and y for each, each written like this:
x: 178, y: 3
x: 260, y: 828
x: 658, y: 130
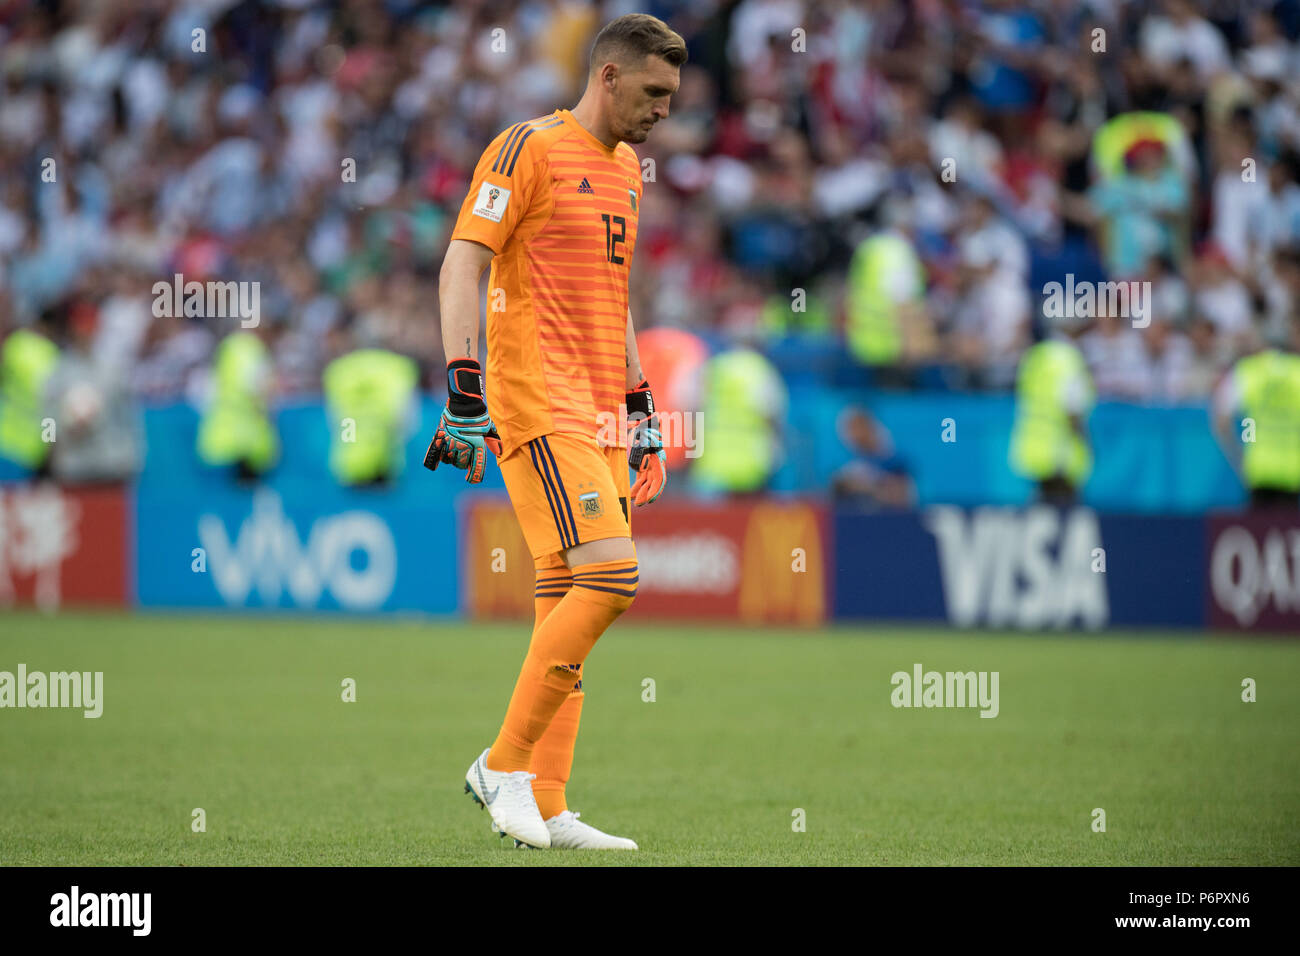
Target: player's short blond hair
x: 632, y: 38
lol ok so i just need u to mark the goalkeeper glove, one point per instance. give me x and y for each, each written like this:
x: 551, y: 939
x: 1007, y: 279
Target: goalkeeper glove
x: 646, y: 453
x: 465, y: 427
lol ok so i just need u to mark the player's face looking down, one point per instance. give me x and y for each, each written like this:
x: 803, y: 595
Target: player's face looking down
x: 639, y: 96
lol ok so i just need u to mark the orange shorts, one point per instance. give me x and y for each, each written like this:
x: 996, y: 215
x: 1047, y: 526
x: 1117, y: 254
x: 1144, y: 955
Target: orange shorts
x: 566, y: 489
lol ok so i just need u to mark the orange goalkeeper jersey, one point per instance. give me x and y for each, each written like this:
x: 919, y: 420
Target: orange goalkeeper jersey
x: 559, y: 209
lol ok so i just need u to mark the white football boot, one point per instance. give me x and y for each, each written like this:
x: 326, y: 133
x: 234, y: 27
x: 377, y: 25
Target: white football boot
x: 509, y: 799
x: 570, y: 833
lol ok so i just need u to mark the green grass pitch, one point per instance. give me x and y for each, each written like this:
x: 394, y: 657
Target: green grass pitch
x: 243, y: 716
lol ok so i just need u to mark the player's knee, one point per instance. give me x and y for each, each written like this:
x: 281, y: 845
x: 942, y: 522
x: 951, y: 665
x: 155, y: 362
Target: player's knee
x: 609, y: 583
x: 622, y: 601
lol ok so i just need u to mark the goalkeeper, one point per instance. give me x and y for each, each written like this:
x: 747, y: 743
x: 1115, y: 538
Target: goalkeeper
x: 553, y: 206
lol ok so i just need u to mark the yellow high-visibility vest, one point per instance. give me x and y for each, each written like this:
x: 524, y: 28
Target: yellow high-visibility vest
x: 871, y: 323
x: 366, y: 394
x: 26, y: 362
x: 1043, y: 443
x: 237, y: 424
x: 1269, y: 382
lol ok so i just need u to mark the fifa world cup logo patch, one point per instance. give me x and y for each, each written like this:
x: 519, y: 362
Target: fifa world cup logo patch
x: 491, y: 202
x: 591, y: 506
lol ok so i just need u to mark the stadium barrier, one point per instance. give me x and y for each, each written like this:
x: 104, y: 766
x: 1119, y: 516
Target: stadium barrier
x: 1049, y: 568
x: 329, y: 550
x: 189, y: 537
x: 763, y: 562
x: 1253, y: 572
x: 64, y: 545
x: 1148, y: 460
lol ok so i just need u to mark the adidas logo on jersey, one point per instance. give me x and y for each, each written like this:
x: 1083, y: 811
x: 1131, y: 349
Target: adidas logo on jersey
x: 585, y: 187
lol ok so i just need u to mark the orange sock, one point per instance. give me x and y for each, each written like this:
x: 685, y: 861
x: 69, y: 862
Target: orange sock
x: 600, y: 593
x: 552, y: 758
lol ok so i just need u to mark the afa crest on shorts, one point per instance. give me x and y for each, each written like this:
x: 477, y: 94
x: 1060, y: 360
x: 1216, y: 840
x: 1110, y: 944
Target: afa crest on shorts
x: 591, y: 504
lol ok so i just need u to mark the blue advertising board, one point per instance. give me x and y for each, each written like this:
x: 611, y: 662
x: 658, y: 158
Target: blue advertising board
x: 1030, y: 568
x: 330, y: 550
x: 297, y: 540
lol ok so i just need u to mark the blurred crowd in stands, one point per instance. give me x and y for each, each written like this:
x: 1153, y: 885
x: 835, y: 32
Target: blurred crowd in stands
x: 214, y: 139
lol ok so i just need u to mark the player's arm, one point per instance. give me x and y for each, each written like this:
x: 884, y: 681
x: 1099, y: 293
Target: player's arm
x: 634, y: 375
x: 458, y: 283
x: 465, y: 429
x: 645, y: 443
x: 499, y: 193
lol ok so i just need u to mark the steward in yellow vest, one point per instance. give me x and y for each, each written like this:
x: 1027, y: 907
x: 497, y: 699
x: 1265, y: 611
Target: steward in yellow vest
x: 1265, y: 389
x: 367, y: 397
x: 27, y: 359
x: 1054, y: 394
x: 744, y: 405
x: 236, y: 428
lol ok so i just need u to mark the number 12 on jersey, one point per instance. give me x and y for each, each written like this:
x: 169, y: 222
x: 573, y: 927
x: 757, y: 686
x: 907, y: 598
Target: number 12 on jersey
x: 611, y: 240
